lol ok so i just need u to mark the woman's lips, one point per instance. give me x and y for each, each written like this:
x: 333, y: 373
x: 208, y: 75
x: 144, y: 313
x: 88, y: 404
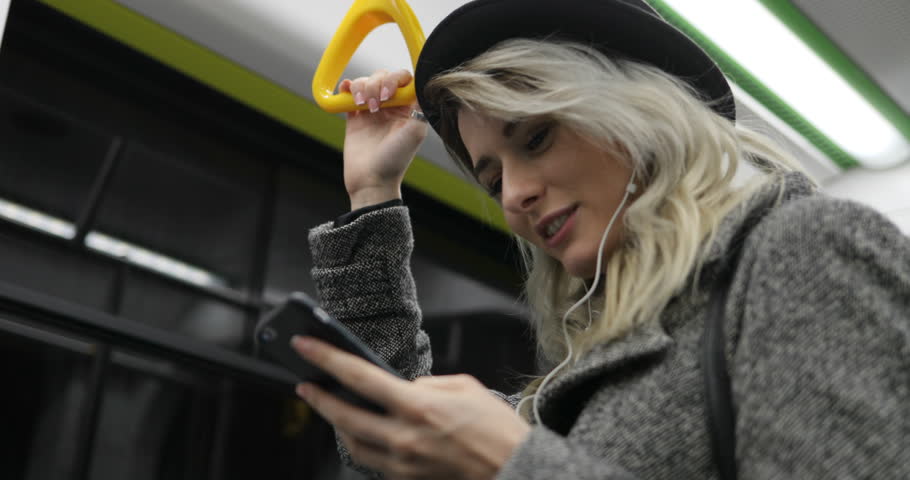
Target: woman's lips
x: 563, y: 231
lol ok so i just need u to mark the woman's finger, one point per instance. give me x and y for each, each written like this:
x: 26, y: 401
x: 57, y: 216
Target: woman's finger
x: 357, y: 87
x: 379, y: 458
x: 360, y: 424
x: 448, y: 382
x: 438, y: 383
x: 350, y: 442
x: 365, y: 453
x: 354, y: 372
x: 404, y: 77
x: 404, y: 463
x: 392, y: 82
x: 345, y: 86
x: 373, y: 88
x: 393, y: 467
x: 357, y: 446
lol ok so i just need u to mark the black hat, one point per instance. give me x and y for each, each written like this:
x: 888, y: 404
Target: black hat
x: 625, y: 28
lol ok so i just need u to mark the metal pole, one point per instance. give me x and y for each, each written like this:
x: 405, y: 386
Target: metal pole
x: 88, y: 429
x: 200, y: 437
x: 225, y: 411
x: 99, y: 188
x: 261, y: 255
x: 94, y: 401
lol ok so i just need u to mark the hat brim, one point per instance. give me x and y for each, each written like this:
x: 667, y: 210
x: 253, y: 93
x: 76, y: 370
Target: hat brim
x: 619, y: 28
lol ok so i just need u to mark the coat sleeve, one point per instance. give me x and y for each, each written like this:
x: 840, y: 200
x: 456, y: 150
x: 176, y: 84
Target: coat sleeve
x: 363, y: 277
x: 821, y: 368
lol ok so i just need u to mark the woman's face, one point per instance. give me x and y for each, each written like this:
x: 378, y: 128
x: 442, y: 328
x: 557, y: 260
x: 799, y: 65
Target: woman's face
x: 558, y: 191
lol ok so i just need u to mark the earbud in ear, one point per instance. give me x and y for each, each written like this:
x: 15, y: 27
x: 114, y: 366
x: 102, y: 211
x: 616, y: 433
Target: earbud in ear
x: 632, y: 188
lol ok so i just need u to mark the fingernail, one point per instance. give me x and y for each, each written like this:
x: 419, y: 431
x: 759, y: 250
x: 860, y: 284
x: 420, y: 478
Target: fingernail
x: 303, y: 390
x: 358, y: 98
x: 374, y: 105
x: 384, y: 94
x: 301, y: 343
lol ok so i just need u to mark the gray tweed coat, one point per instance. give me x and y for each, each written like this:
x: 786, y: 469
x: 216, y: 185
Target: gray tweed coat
x: 818, y: 342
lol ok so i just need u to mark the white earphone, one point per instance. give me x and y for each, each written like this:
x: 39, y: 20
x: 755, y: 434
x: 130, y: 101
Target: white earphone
x: 631, y: 188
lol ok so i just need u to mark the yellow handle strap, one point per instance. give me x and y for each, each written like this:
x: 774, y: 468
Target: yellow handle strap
x: 363, y: 17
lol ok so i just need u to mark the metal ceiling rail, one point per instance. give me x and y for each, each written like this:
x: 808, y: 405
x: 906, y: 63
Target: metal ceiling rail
x: 40, y: 310
x: 102, y: 336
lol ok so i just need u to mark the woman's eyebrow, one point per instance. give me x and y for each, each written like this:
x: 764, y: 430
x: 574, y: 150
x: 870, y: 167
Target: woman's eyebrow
x: 509, y: 129
x: 484, y: 162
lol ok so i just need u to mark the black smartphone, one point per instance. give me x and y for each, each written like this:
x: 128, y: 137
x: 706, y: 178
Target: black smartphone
x: 301, y: 315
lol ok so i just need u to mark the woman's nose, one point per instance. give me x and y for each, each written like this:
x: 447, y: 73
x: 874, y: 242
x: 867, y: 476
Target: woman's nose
x: 520, y: 191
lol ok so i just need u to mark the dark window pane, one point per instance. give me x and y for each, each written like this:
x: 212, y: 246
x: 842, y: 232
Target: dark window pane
x: 496, y: 348
x: 44, y: 265
x: 174, y: 307
x: 302, y: 203
x: 204, y: 213
x: 442, y: 291
x: 42, y: 402
x: 47, y: 162
x: 152, y: 423
x: 271, y: 435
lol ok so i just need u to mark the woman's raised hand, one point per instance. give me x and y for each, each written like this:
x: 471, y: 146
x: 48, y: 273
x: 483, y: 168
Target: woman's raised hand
x: 379, y: 143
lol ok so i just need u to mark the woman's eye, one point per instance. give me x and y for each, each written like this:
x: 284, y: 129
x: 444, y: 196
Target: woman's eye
x: 538, y: 138
x: 495, y: 187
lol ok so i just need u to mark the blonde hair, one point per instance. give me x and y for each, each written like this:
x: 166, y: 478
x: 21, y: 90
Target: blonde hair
x: 683, y: 154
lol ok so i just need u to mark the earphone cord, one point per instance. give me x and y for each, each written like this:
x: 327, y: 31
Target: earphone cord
x: 629, y: 190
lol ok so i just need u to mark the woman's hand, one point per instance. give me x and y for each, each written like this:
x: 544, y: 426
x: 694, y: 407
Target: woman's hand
x: 379, y: 143
x: 448, y: 427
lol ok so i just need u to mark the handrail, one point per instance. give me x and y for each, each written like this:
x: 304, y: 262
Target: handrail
x: 363, y: 17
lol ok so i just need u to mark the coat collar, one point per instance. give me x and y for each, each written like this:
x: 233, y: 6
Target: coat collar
x: 792, y: 186
x: 643, y: 343
x: 647, y: 342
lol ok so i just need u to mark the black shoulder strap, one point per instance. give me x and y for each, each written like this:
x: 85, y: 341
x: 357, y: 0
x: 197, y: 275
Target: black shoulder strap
x: 721, y: 419
x: 721, y: 416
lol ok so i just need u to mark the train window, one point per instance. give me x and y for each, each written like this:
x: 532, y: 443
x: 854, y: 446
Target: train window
x: 42, y: 403
x: 276, y: 436
x: 35, y: 261
x: 302, y: 202
x: 153, y: 422
x: 155, y: 301
x: 496, y: 347
x: 49, y: 162
x: 202, y: 211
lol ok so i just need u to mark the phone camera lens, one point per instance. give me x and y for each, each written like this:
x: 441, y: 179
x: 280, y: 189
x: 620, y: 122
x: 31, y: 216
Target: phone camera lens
x: 268, y: 334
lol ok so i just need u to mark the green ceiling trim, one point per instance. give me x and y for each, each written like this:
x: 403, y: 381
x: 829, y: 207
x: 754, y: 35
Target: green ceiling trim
x: 259, y: 93
x: 758, y: 90
x: 821, y: 44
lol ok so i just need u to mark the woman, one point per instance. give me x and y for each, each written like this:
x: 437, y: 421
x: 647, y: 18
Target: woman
x: 619, y: 180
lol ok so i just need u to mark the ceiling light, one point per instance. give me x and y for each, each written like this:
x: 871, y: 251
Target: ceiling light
x: 755, y: 39
x: 110, y: 246
x: 151, y: 260
x: 37, y: 220
x: 4, y: 11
